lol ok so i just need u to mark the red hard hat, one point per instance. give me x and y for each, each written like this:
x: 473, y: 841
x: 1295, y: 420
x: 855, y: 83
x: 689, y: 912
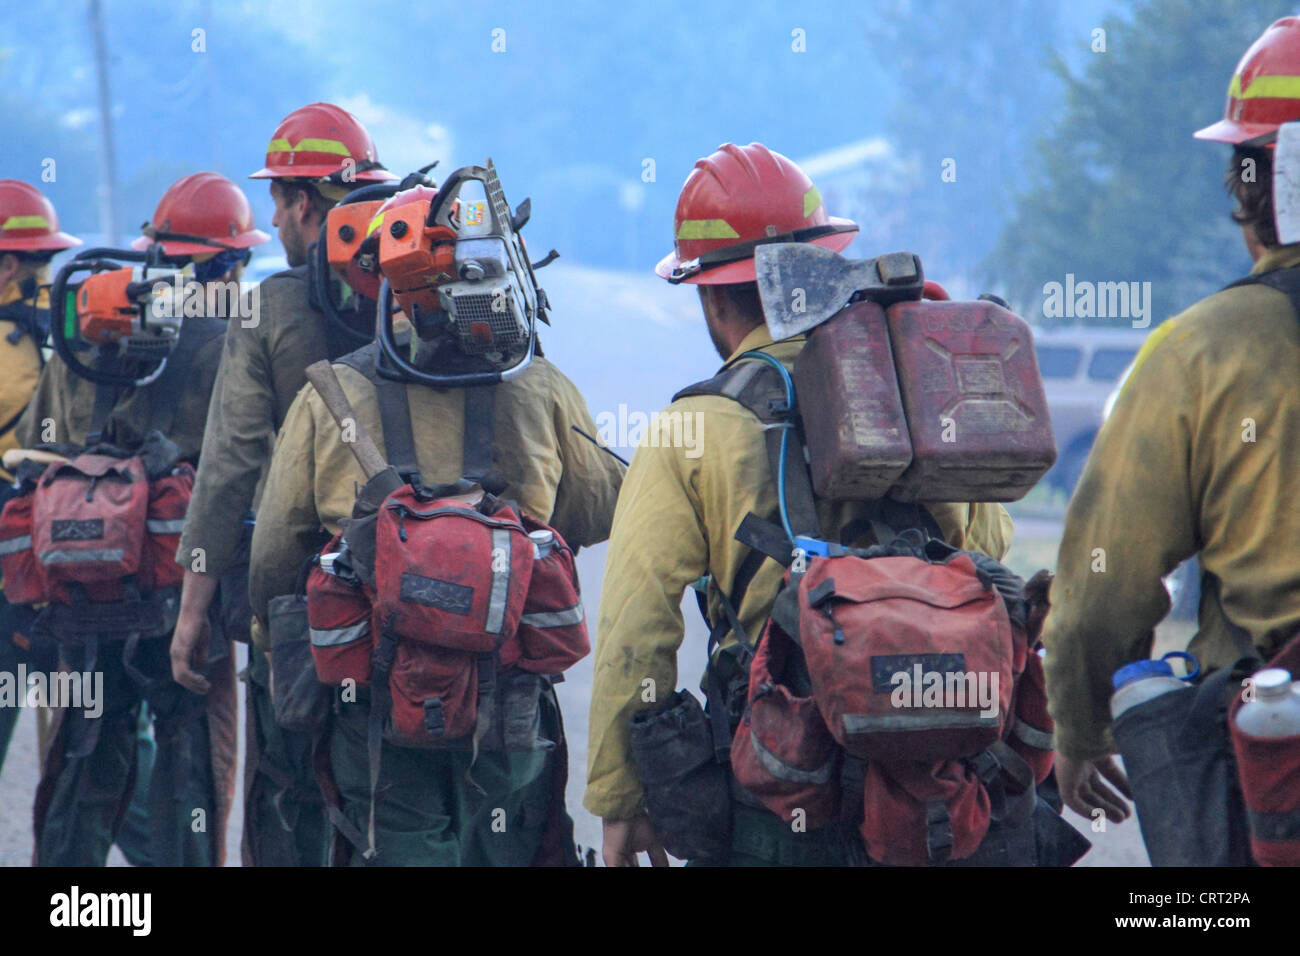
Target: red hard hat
x: 403, y: 198
x: 316, y: 141
x: 204, y: 205
x: 1264, y: 91
x: 28, y: 222
x: 735, y: 198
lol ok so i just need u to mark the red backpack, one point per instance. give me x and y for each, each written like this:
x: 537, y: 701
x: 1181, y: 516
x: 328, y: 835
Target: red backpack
x: 449, y: 604
x: 93, y: 527
x: 907, y: 659
x: 888, y: 691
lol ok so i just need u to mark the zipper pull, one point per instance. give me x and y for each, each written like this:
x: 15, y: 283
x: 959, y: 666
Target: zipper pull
x: 401, y: 524
x: 837, y: 636
x: 90, y: 492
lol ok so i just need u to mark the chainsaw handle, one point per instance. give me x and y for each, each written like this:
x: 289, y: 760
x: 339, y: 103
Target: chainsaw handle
x: 318, y: 269
x: 404, y: 371
x: 322, y: 377
x: 59, y: 318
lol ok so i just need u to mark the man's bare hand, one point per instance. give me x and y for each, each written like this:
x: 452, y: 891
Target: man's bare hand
x: 624, y: 839
x: 1083, y: 791
x: 190, y: 640
x: 190, y: 648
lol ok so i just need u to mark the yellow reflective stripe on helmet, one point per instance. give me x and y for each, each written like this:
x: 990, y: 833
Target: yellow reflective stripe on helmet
x: 309, y: 145
x: 25, y: 222
x: 375, y: 224
x: 811, y: 200
x: 706, y: 229
x: 1266, y: 87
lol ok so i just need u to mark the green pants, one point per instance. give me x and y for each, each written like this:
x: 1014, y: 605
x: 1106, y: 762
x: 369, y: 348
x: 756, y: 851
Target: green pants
x: 133, y: 835
x: 427, y: 814
x: 88, y: 783
x: 764, y: 839
x: 284, y: 815
x: 14, y: 618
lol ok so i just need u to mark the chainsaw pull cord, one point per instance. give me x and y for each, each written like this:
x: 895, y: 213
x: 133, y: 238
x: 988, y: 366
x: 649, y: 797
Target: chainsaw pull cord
x: 785, y: 426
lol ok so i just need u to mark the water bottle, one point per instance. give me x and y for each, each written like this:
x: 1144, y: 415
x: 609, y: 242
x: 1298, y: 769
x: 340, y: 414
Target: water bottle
x: 543, y: 542
x: 1275, y: 711
x: 1142, y: 681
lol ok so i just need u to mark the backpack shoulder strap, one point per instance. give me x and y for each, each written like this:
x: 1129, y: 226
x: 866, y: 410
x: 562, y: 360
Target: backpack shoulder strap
x: 27, y: 319
x: 394, y: 411
x: 196, y: 332
x: 754, y: 384
x: 395, y: 419
x: 1286, y: 281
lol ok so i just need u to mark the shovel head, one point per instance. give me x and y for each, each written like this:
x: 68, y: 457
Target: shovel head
x: 802, y: 285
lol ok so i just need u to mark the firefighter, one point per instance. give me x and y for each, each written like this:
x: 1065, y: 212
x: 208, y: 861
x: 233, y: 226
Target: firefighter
x: 29, y: 238
x: 679, y: 507
x: 204, y: 221
x: 426, y: 809
x: 316, y: 156
x: 1196, y: 458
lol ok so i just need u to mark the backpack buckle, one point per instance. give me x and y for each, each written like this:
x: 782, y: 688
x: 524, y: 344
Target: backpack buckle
x: 435, y: 721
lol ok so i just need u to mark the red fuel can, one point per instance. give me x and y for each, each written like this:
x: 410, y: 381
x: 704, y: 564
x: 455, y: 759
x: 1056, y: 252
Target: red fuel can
x: 851, y: 406
x: 974, y: 400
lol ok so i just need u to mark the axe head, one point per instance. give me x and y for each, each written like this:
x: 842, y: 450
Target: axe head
x: 802, y: 285
x: 1286, y: 183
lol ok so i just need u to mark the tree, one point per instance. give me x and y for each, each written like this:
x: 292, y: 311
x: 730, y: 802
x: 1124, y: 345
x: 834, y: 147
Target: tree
x: 1121, y: 191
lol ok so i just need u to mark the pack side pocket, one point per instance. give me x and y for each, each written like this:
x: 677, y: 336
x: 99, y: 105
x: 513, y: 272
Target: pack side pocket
x: 169, y: 499
x: 24, y: 579
x: 518, y: 712
x: 301, y: 701
x: 783, y: 753
x: 338, y: 614
x: 435, y: 696
x: 687, y: 795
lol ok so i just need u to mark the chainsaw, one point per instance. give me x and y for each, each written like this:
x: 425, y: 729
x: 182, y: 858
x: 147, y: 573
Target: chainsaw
x: 455, y: 264
x: 120, y: 311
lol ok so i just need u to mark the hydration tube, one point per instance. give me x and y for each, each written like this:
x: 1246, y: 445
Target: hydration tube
x: 785, y: 436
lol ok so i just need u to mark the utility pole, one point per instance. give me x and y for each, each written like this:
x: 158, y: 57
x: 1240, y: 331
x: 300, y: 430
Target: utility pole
x: 107, y: 155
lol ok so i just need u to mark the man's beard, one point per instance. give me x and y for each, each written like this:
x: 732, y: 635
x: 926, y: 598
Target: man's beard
x: 720, y: 346
x: 295, y: 247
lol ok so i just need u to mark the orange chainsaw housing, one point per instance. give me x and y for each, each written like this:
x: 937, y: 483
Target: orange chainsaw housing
x: 414, y: 257
x: 345, y: 231
x: 105, y: 311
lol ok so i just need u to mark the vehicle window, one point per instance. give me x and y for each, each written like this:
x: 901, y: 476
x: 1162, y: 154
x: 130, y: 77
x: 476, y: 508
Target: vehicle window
x: 1058, y: 361
x: 1108, y: 364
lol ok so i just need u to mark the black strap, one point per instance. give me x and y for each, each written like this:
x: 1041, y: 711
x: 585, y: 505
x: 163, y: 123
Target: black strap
x: 165, y: 392
x: 480, y: 407
x: 1286, y: 281
x: 381, y: 706
x: 395, y: 422
x: 395, y: 419
x: 105, y: 398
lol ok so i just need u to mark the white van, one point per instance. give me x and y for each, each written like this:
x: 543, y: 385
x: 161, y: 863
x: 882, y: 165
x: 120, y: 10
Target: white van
x: 1081, y: 366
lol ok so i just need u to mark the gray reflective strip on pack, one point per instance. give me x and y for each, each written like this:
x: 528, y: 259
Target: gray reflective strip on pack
x: 1032, y: 736
x: 783, y: 771
x: 106, y: 555
x: 926, y: 720
x: 163, y: 526
x: 496, y: 613
x: 333, y: 637
x: 1281, y: 827
x: 565, y: 618
x: 14, y: 545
